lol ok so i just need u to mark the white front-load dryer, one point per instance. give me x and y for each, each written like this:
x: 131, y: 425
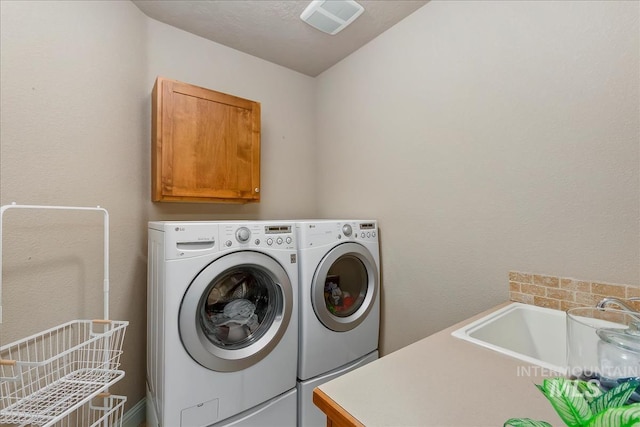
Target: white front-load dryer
x: 339, y: 265
x: 222, y: 330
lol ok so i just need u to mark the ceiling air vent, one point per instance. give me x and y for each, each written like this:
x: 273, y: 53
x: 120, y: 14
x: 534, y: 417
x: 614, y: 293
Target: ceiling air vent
x: 331, y: 16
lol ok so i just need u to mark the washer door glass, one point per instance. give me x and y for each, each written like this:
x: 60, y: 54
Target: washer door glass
x: 344, y: 287
x: 236, y: 311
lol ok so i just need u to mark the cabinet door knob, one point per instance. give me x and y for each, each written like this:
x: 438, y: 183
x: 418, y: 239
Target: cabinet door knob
x: 257, y: 190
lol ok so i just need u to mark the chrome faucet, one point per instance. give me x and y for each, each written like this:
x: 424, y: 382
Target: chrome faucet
x: 604, y: 302
x: 612, y: 300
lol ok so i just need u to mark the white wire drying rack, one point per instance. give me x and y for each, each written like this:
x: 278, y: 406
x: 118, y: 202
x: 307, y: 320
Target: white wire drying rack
x: 61, y: 376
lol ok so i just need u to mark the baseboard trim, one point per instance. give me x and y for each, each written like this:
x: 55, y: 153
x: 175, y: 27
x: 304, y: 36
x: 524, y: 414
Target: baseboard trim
x: 136, y: 415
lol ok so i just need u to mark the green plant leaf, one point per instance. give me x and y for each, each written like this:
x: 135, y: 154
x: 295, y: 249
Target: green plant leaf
x: 526, y: 422
x: 566, y: 399
x: 615, y: 397
x: 590, y: 391
x: 622, y: 416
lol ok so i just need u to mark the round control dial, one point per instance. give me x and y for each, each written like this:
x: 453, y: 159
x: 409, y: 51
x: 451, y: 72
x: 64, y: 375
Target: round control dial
x: 243, y: 234
x: 347, y: 230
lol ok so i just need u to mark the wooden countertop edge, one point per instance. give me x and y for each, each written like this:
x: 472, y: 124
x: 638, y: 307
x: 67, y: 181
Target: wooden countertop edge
x: 337, y: 416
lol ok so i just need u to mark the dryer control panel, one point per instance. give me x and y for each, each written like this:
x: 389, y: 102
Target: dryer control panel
x: 320, y: 233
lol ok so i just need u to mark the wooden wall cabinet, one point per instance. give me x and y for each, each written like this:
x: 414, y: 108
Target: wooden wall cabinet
x: 205, y: 145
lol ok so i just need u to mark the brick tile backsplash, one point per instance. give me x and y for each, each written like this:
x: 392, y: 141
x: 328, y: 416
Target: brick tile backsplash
x: 563, y: 293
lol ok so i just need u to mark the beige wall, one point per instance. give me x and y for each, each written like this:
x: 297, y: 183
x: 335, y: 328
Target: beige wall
x: 487, y: 137
x: 76, y: 79
x: 73, y: 132
x: 288, y: 120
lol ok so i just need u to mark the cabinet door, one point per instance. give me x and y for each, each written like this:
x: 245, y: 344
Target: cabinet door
x: 206, y: 145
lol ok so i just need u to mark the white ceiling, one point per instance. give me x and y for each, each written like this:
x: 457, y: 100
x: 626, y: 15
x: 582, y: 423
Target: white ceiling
x: 272, y: 30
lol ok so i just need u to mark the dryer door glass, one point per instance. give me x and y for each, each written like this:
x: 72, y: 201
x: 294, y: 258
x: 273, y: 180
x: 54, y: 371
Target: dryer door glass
x: 236, y: 311
x: 344, y: 287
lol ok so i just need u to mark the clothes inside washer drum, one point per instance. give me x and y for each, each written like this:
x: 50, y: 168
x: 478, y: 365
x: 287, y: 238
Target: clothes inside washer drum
x: 239, y: 311
x: 237, y: 321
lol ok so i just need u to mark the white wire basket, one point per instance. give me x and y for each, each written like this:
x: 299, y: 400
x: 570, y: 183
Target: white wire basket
x: 60, y: 377
x: 47, y: 375
x: 103, y: 410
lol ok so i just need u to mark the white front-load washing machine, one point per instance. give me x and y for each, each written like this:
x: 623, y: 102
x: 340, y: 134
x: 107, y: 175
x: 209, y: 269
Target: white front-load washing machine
x: 339, y: 304
x: 222, y: 329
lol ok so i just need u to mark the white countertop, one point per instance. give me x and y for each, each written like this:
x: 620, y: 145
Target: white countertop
x: 443, y: 381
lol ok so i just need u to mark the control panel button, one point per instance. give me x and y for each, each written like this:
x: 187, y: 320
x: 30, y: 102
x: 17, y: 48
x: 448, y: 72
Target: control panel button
x: 257, y: 242
x: 243, y: 234
x: 269, y: 241
x: 368, y: 234
x: 362, y: 234
x: 289, y: 240
x: 228, y: 243
x: 347, y: 230
x: 279, y: 240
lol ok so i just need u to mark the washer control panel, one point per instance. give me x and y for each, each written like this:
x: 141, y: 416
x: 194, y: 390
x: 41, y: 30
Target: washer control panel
x: 191, y: 239
x: 258, y: 234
